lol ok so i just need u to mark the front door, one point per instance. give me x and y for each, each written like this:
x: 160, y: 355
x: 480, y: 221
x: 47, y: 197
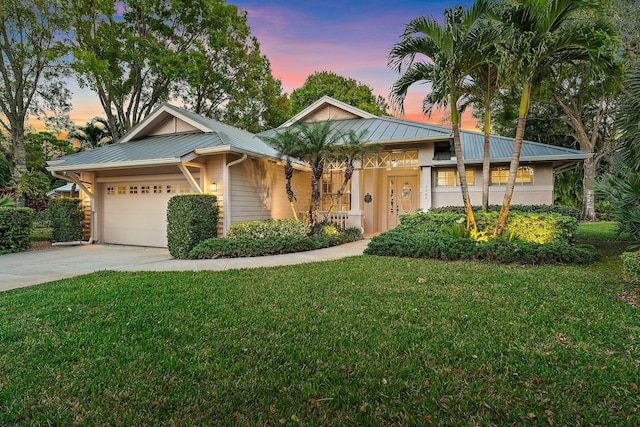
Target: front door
x: 402, y: 198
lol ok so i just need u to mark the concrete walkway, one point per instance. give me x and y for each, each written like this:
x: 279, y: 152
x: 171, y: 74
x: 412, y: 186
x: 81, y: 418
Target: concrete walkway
x: 30, y: 268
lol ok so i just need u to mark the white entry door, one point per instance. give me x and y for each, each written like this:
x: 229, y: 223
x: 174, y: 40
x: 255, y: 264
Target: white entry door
x: 402, y: 198
x: 135, y: 213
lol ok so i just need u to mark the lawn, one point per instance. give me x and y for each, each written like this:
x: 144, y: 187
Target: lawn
x: 360, y: 341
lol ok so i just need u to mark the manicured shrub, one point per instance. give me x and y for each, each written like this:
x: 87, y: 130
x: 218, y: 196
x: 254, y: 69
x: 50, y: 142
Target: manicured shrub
x: 530, y: 227
x: 631, y: 267
x: 542, y: 228
x: 546, y: 209
x: 274, y: 245
x: 191, y: 219
x: 267, y: 228
x: 15, y: 228
x: 439, y: 246
x: 66, y: 218
x: 234, y: 248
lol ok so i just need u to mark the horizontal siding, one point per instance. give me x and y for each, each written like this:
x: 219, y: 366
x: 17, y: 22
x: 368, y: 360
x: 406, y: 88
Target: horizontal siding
x: 258, y: 191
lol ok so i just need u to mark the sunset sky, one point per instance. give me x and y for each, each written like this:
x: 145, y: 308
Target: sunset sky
x: 350, y: 38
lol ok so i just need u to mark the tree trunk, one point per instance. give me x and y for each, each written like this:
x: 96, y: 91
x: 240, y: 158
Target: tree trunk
x: 288, y: 175
x: 486, y: 160
x: 18, y: 166
x: 316, y: 176
x: 515, y: 160
x: 462, y: 173
x: 589, y: 198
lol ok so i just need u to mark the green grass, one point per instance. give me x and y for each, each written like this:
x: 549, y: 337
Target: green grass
x: 40, y: 234
x: 359, y: 341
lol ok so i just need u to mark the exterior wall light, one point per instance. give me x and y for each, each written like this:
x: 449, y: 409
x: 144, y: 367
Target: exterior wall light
x: 213, y: 187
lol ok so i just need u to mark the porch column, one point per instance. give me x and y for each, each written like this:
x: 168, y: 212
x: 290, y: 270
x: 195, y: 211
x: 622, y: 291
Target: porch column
x: 426, y: 202
x: 356, y: 214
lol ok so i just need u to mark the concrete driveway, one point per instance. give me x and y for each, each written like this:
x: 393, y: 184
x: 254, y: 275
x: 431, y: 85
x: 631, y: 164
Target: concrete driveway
x: 30, y: 268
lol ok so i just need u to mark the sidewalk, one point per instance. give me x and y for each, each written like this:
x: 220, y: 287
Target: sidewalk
x: 31, y: 268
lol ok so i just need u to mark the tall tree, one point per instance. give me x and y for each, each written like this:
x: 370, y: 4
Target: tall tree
x: 451, y: 55
x: 32, y: 49
x: 482, y: 89
x: 587, y: 100
x: 234, y: 83
x: 288, y: 147
x: 137, y: 53
x: 343, y: 89
x: 539, y: 34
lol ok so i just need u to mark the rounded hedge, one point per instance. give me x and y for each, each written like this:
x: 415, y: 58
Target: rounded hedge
x: 191, y: 219
x: 66, y: 218
x: 15, y: 229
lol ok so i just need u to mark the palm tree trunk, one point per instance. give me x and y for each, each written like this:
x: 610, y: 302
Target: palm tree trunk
x: 589, y: 199
x: 486, y: 159
x: 515, y: 160
x: 288, y: 174
x: 316, y: 176
x: 471, y: 220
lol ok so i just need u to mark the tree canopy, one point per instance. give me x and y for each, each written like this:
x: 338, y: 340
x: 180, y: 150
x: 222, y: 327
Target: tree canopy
x: 343, y: 89
x: 136, y: 54
x: 32, y: 49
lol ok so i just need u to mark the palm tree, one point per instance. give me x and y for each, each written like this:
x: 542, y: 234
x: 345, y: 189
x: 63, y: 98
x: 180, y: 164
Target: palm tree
x: 449, y: 48
x: 287, y: 145
x: 352, y: 150
x: 93, y: 134
x: 629, y: 121
x: 538, y: 34
x: 481, y: 90
x: 317, y: 142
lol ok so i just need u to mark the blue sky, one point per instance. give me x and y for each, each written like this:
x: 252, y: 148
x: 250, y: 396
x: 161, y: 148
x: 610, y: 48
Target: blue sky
x: 350, y: 38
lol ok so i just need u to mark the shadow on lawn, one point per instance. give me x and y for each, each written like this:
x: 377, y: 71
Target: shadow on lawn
x: 609, y: 266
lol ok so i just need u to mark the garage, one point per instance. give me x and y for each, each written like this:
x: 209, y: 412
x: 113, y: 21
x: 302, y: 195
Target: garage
x: 135, y: 212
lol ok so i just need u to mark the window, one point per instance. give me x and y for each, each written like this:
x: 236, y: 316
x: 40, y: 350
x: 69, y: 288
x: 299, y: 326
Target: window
x: 331, y: 182
x: 451, y: 178
x: 133, y: 189
x: 110, y: 190
x: 122, y: 190
x: 184, y: 188
x: 144, y: 189
x: 171, y: 189
x: 157, y: 189
x: 500, y: 176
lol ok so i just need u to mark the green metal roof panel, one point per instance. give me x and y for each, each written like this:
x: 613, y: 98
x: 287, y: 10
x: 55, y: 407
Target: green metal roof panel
x: 384, y: 129
x: 161, y: 147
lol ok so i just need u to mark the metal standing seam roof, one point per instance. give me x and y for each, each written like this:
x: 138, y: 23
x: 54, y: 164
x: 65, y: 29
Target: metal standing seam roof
x: 390, y: 129
x: 170, y: 148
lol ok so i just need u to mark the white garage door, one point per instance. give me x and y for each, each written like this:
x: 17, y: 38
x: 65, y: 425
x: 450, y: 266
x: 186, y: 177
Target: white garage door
x: 135, y: 213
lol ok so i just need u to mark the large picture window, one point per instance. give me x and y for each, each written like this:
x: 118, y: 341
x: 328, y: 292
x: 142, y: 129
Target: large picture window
x: 451, y: 177
x: 500, y: 175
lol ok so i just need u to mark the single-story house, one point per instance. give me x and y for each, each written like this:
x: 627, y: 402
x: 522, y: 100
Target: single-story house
x: 68, y: 190
x: 175, y: 151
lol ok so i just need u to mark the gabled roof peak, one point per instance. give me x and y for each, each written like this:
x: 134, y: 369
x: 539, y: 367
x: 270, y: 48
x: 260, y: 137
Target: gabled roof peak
x: 324, y: 102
